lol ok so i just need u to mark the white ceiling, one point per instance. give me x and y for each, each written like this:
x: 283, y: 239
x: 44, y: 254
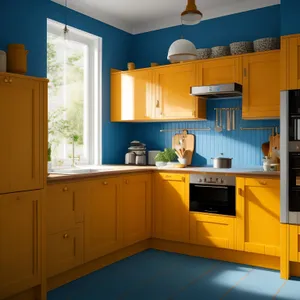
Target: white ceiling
x: 137, y: 16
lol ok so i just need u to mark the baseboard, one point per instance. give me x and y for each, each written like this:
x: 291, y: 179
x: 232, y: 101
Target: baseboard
x: 71, y: 275
x: 252, y: 259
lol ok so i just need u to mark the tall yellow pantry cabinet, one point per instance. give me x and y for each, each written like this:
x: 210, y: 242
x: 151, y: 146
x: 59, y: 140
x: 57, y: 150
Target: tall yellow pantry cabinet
x: 23, y: 174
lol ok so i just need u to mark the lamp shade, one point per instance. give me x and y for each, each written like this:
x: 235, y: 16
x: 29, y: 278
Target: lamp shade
x: 182, y: 50
x: 191, y: 15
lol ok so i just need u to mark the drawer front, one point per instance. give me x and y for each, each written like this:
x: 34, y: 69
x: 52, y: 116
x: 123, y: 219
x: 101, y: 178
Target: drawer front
x: 212, y: 230
x: 64, y: 251
x: 61, y: 208
x: 173, y: 177
x: 263, y: 182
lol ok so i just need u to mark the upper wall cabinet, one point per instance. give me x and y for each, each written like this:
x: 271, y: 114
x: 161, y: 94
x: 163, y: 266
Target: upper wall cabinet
x: 220, y: 71
x: 261, y: 86
x: 290, y: 62
x: 131, y: 96
x: 22, y: 101
x: 172, y: 93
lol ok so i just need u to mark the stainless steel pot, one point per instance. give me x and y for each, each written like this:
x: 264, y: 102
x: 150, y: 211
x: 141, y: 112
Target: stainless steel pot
x: 222, y: 162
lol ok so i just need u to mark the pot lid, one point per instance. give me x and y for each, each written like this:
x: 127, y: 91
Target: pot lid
x: 221, y: 157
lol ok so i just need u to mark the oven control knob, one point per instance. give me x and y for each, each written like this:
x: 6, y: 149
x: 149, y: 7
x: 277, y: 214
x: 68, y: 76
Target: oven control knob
x: 204, y: 179
x: 222, y: 181
x: 200, y: 180
x: 217, y: 180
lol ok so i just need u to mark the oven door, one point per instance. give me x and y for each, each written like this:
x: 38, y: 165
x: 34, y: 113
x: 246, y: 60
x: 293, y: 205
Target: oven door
x: 294, y: 182
x: 212, y: 199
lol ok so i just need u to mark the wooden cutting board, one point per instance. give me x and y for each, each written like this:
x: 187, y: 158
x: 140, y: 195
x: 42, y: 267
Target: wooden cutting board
x: 188, y: 143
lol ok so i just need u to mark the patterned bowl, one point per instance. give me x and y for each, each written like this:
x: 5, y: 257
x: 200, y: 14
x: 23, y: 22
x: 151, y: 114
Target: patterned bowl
x: 203, y: 53
x: 220, y: 51
x: 266, y: 44
x: 241, y: 48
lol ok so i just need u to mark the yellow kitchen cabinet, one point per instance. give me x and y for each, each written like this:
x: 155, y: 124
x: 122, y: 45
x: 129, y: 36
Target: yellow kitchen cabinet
x: 290, y: 62
x: 131, y: 95
x: 102, y: 223
x: 22, y: 101
x: 171, y: 207
x: 20, y: 235
x: 258, y: 215
x: 220, y: 71
x: 212, y: 230
x: 136, y: 208
x: 261, y: 86
x: 65, y: 205
x: 64, y: 250
x: 172, y: 93
x: 294, y: 237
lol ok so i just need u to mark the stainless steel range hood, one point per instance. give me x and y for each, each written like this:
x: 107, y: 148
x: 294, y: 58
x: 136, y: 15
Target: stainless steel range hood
x: 218, y: 91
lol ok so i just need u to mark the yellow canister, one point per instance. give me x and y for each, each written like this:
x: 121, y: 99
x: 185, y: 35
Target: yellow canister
x: 17, y: 58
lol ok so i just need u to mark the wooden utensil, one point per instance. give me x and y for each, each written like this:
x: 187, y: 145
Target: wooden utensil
x: 228, y: 120
x: 187, y: 143
x: 265, y: 147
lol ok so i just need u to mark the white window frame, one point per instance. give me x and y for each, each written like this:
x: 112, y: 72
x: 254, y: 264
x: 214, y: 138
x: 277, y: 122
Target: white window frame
x: 94, y: 87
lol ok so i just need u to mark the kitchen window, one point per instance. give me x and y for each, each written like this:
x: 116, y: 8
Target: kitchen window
x: 74, y: 102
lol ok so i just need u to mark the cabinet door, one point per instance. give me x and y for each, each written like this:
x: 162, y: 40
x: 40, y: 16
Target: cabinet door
x: 294, y: 238
x: 171, y: 207
x: 64, y: 250
x: 65, y: 205
x: 261, y: 86
x: 20, y: 129
x: 258, y: 211
x: 136, y: 208
x: 19, y: 240
x: 220, y: 71
x: 131, y: 96
x: 212, y: 230
x: 102, y: 230
x: 172, y: 86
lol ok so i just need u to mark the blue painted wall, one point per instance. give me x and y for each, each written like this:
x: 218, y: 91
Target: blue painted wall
x: 290, y: 20
x: 243, y: 146
x: 25, y: 21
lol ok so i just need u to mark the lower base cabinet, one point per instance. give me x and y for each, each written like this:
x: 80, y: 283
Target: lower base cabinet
x: 20, y: 235
x: 102, y: 223
x: 136, y: 208
x: 171, y: 207
x: 64, y: 251
x: 212, y: 230
x: 258, y: 215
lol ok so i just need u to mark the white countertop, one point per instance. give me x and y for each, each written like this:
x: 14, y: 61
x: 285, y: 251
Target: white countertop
x: 123, y: 169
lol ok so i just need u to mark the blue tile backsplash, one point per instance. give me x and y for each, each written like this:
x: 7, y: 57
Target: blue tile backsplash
x: 243, y: 146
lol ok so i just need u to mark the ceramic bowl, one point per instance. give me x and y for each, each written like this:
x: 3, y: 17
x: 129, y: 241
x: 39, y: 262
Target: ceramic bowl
x: 203, y: 53
x: 160, y: 164
x: 220, y: 51
x: 241, y: 48
x: 266, y: 44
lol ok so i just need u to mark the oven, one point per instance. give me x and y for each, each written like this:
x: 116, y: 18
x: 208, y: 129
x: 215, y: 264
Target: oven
x: 212, y: 194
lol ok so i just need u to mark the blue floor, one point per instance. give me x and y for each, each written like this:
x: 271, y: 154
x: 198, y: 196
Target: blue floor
x: 159, y: 275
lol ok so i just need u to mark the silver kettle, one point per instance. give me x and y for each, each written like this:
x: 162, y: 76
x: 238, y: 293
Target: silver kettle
x: 130, y: 158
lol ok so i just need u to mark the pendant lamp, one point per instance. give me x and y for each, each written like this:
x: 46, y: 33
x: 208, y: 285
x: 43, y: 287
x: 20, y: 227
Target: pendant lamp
x: 191, y: 15
x: 182, y: 50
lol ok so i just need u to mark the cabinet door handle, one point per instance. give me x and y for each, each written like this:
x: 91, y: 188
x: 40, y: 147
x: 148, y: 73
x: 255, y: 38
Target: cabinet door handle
x: 126, y: 181
x: 168, y: 176
x: 240, y: 192
x: 6, y: 80
x: 183, y: 179
x: 262, y: 182
x: 157, y: 104
x: 65, y: 236
x: 65, y: 189
x: 10, y: 80
x: 105, y: 183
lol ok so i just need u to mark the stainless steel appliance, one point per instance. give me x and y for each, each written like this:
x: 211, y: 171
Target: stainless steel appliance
x: 290, y: 157
x: 212, y: 194
x: 222, y: 162
x: 136, y: 154
x: 218, y: 91
x: 151, y: 157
